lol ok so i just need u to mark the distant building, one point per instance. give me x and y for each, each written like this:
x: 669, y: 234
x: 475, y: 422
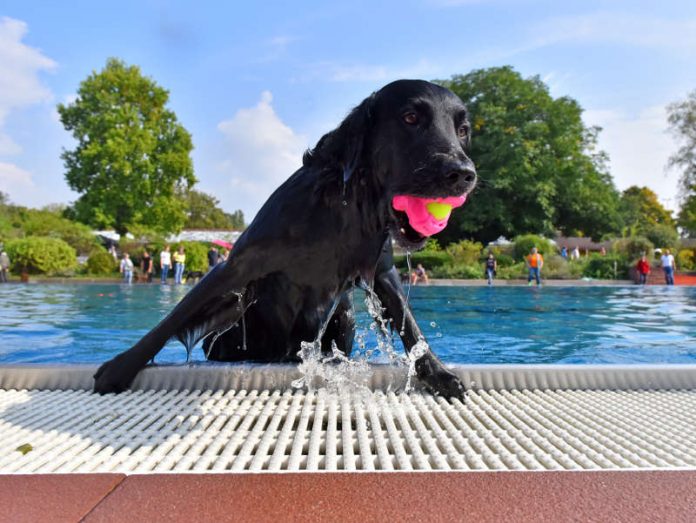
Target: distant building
x: 584, y: 244
x: 205, y: 235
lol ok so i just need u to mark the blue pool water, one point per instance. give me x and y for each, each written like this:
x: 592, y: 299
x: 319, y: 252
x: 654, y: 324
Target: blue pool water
x: 91, y: 323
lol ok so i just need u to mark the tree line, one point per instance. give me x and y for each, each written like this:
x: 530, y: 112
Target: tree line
x: 539, y: 165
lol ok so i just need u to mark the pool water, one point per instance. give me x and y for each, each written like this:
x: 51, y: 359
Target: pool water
x: 621, y: 325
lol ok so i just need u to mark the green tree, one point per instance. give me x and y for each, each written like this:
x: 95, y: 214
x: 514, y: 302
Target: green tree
x: 203, y: 212
x: 237, y: 220
x: 132, y: 155
x: 682, y: 122
x: 538, y: 167
x: 641, y: 211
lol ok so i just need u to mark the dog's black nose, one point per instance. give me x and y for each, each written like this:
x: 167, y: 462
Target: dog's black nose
x: 460, y: 173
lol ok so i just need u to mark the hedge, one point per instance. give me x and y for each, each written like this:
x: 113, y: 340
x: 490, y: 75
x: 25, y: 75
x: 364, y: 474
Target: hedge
x: 39, y: 255
x: 101, y: 262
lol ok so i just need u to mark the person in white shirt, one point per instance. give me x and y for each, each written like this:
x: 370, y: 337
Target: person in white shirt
x: 165, y: 262
x: 668, y: 266
x: 127, y: 268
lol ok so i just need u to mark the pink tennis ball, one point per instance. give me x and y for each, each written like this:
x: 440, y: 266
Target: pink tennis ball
x: 428, y: 216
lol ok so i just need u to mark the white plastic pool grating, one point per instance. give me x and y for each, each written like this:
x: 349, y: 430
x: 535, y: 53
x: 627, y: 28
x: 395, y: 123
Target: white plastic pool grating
x: 293, y: 430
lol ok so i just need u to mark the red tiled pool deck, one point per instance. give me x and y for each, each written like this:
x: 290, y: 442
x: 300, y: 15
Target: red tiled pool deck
x: 607, y: 496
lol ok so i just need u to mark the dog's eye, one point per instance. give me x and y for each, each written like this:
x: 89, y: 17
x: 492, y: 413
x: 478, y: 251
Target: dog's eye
x: 463, y: 131
x: 410, y: 118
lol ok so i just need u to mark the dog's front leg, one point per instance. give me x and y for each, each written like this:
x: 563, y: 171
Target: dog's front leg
x: 428, y: 367
x: 213, y: 302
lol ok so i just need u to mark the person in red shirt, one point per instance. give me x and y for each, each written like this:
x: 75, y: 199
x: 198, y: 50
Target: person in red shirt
x: 643, y: 268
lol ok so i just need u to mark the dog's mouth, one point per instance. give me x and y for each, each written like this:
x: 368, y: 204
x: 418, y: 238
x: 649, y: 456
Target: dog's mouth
x: 415, y: 218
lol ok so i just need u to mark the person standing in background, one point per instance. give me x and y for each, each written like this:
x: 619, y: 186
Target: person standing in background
x: 126, y: 268
x: 179, y: 264
x: 212, y: 258
x: 643, y: 268
x: 165, y: 262
x: 668, y: 266
x: 146, y: 266
x: 491, y: 268
x: 4, y: 266
x: 535, y: 262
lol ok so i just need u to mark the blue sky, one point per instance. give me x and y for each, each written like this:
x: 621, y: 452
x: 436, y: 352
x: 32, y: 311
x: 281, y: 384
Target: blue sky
x: 258, y: 82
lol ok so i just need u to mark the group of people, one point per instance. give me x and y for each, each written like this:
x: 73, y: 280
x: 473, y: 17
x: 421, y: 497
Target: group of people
x: 666, y: 262
x: 167, y: 262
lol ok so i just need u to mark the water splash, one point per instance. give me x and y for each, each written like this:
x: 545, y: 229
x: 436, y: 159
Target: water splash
x: 417, y: 351
x: 337, y: 371
x: 408, y: 292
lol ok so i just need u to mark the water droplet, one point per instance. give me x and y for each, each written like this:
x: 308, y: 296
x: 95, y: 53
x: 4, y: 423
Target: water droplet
x: 433, y: 324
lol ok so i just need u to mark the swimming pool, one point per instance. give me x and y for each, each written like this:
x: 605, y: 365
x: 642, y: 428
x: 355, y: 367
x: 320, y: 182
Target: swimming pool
x: 610, y: 325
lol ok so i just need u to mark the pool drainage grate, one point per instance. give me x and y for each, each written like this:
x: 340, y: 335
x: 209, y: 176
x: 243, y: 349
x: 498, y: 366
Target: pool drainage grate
x: 283, y: 429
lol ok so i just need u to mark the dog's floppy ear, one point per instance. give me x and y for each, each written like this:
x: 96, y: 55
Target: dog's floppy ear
x: 345, y: 145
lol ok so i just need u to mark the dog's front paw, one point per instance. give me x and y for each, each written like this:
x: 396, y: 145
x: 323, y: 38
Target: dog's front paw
x: 438, y: 379
x: 115, y: 375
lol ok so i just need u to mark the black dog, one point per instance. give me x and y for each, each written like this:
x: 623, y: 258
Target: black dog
x: 328, y: 228
x: 193, y: 275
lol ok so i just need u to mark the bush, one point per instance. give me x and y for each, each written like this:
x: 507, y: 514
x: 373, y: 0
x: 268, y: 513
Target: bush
x: 662, y: 235
x: 44, y: 223
x: 429, y: 259
x: 512, y: 272
x: 37, y: 255
x: 556, y: 268
x: 525, y: 242
x: 609, y: 267
x: 196, y: 255
x: 634, y: 247
x: 101, y: 262
x: 464, y: 252
x: 686, y: 260
x: 504, y: 260
x: 462, y: 271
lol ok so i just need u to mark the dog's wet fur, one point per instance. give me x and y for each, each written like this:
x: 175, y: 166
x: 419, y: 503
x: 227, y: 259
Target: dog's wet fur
x: 325, y: 231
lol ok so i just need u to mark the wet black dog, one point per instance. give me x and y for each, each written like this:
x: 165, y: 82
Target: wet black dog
x: 328, y: 228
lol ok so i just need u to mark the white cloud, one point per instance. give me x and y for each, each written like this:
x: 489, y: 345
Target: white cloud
x: 618, y: 28
x: 337, y: 72
x: 19, y: 82
x: 261, y: 153
x: 638, y: 147
x: 16, y: 182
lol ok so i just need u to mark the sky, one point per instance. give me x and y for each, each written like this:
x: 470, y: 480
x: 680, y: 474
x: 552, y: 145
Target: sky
x: 256, y: 83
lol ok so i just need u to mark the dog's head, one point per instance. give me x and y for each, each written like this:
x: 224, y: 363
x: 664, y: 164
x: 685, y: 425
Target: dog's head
x: 411, y: 137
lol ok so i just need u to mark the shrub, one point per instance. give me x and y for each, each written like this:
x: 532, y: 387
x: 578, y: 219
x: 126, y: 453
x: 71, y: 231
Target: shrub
x: 196, y: 255
x: 504, y: 260
x: 525, y: 242
x: 634, y: 247
x: 101, y: 262
x: 557, y: 268
x: 464, y: 252
x: 37, y: 255
x: 607, y: 267
x: 662, y: 235
x: 429, y: 259
x: 45, y: 223
x: 686, y: 260
x: 512, y: 272
x: 459, y: 271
